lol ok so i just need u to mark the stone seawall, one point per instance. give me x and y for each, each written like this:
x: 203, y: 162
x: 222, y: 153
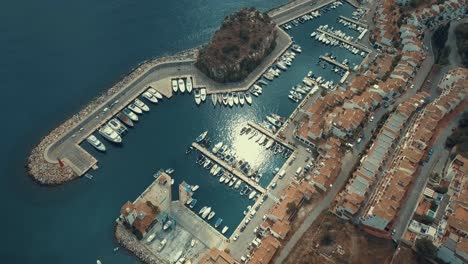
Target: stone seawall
x: 127, y: 240
x: 50, y: 173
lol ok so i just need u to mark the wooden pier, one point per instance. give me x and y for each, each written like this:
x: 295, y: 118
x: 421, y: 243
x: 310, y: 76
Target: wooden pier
x: 334, y: 62
x: 356, y: 45
x: 229, y: 168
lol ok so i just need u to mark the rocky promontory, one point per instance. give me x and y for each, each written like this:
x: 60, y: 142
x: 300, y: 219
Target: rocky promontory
x: 243, y: 41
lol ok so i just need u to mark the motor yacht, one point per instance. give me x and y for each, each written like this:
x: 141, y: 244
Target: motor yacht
x: 135, y: 108
x: 150, y: 97
x: 203, y: 94
x: 252, y: 194
x: 118, y: 127
x: 211, y: 215
x: 189, y: 84
x: 214, y: 98
x: 108, y: 133
x: 96, y: 143
x: 206, y: 212
x: 122, y: 117
x: 157, y: 94
x: 196, y: 94
x: 217, y: 147
x: 248, y: 98
x: 202, y: 136
x: 225, y: 229
x: 230, y: 100
x: 241, y: 98
x: 202, y: 210
x: 225, y: 99
x: 141, y: 105
x: 218, y: 222
x: 235, y: 98
x: 181, y: 84
x: 175, y: 87
x: 129, y: 113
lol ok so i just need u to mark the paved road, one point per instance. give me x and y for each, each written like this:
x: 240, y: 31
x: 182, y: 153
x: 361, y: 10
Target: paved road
x: 408, y: 208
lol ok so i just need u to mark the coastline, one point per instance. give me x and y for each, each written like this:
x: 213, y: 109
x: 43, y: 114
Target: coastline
x: 46, y: 172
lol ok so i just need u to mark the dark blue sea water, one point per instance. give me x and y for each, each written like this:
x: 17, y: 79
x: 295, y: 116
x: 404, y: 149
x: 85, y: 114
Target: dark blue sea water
x: 55, y: 56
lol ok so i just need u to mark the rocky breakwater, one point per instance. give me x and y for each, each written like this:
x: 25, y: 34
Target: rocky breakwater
x: 132, y: 244
x: 243, y: 41
x: 52, y: 173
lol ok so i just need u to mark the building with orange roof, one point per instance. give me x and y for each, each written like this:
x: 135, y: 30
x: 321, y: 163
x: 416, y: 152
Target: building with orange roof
x: 458, y: 221
x: 265, y: 252
x: 348, y: 122
x: 216, y: 256
x: 139, y: 216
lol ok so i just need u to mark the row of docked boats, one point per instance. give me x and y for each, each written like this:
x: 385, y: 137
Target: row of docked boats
x: 301, y: 20
x: 287, y: 58
x: 116, y: 126
x: 263, y: 140
x: 334, y: 41
x: 182, y: 85
x: 351, y: 25
x: 199, y: 95
x: 207, y: 213
x: 231, y: 99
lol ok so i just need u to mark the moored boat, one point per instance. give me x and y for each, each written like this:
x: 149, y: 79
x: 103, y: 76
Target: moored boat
x: 225, y: 229
x: 108, y: 133
x: 196, y: 94
x: 206, y: 212
x: 248, y: 98
x: 150, y: 97
x: 175, y: 87
x: 96, y: 143
x: 189, y: 84
x: 252, y: 194
x: 202, y: 210
x: 181, y: 84
x: 203, y: 94
x: 135, y: 108
x: 202, y: 136
x: 241, y: 98
x: 122, y: 117
x: 194, y: 188
x: 230, y: 100
x: 235, y: 98
x: 214, y: 99
x: 211, y: 215
x: 141, y: 105
x: 129, y: 113
x: 218, y: 222
x: 118, y: 127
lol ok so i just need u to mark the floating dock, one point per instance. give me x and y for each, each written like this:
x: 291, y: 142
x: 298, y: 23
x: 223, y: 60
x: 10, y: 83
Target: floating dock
x: 334, y: 62
x: 229, y: 168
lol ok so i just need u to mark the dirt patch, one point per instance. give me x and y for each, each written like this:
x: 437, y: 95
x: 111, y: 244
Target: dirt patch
x: 332, y: 240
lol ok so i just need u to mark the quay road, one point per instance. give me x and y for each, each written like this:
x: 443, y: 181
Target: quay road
x: 359, y: 23
x: 229, y: 168
x: 296, y: 9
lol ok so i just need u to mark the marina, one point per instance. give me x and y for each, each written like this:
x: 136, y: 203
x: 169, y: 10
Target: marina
x: 166, y: 145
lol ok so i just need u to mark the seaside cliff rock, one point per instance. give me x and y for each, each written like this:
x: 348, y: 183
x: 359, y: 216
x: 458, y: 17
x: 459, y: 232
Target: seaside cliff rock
x: 243, y: 41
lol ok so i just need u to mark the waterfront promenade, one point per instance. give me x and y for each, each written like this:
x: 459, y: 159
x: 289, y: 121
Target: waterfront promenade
x: 63, y: 142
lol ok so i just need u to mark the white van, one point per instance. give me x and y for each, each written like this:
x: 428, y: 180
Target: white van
x: 298, y: 171
x: 281, y: 174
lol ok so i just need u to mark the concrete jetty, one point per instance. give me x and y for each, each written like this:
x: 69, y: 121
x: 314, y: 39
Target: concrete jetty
x: 334, y: 62
x: 356, y: 45
x: 229, y: 168
x: 354, y: 21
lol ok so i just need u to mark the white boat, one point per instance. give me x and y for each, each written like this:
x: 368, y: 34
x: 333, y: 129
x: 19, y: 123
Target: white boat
x: 213, y: 169
x: 108, y: 133
x: 230, y: 100
x: 96, y: 143
x: 203, y: 94
x: 117, y: 126
x: 217, y: 147
x: 241, y: 98
x: 238, y: 184
x: 269, y: 144
x: 98, y: 262
x: 221, y: 179
x: 202, y: 210
x: 194, y: 188
x: 175, y: 87
x: 202, y: 136
x: 135, y: 108
x: 141, y: 105
x: 211, y: 215
x: 231, y: 183
x: 181, y: 84
x: 235, y: 97
x: 214, y: 98
x: 196, y: 94
x: 273, y: 121
x: 167, y: 225
x: 225, y: 229
x: 206, y: 212
x: 189, y: 201
x: 130, y: 114
x: 252, y: 194
x: 150, y: 238
x: 248, y: 98
x: 155, y: 93
x: 150, y: 97
x: 189, y: 85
